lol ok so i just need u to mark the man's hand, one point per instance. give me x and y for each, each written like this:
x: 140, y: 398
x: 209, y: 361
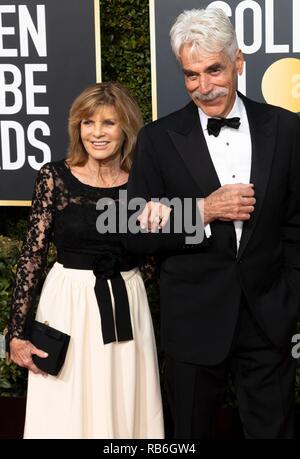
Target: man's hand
x: 229, y: 203
x: 154, y: 216
x: 21, y: 353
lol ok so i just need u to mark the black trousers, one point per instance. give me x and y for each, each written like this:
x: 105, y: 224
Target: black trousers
x: 263, y: 377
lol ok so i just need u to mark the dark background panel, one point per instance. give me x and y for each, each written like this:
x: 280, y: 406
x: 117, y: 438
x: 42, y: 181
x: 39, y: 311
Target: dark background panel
x: 71, y: 67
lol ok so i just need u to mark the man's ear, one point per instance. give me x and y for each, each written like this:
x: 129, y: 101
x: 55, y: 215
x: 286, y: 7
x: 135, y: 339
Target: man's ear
x: 239, y: 62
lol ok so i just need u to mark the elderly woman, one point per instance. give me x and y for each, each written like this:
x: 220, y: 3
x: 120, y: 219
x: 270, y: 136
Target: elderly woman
x: 108, y: 386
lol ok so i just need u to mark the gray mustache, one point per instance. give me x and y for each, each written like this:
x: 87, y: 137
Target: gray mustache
x: 210, y: 96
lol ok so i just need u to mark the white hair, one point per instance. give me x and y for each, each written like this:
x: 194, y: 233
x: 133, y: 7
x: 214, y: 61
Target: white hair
x: 207, y: 29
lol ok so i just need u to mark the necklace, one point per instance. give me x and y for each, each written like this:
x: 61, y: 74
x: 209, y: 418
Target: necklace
x: 113, y: 182
x: 96, y: 176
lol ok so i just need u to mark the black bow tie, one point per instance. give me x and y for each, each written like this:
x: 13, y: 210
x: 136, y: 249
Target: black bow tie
x: 214, y: 125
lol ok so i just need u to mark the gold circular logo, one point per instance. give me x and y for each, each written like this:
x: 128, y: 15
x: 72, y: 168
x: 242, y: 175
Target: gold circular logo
x: 281, y: 84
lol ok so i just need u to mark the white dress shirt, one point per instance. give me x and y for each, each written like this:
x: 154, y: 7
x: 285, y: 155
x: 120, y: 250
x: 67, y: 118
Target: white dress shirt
x: 230, y: 153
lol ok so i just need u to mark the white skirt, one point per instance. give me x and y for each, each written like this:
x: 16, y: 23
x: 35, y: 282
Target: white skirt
x: 103, y: 391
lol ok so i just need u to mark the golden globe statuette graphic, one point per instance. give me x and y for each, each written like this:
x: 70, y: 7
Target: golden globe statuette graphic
x: 281, y: 84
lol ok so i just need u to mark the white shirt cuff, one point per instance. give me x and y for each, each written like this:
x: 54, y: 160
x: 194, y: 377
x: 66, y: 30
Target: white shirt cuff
x: 207, y: 230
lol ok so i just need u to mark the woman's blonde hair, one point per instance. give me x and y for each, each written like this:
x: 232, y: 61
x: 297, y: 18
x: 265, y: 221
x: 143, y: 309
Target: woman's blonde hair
x: 87, y: 103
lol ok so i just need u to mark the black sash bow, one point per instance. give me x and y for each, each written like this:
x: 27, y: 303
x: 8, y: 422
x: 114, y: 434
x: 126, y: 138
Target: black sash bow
x: 106, y: 266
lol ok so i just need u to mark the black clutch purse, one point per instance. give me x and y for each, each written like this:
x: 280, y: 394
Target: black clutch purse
x: 52, y: 341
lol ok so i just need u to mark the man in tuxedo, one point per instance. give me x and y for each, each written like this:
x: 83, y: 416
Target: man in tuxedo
x: 229, y: 304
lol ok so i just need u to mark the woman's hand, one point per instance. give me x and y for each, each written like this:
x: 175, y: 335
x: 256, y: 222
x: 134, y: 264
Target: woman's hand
x: 21, y: 352
x: 154, y: 217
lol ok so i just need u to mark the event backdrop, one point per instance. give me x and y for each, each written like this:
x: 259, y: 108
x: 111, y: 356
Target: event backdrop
x: 268, y: 33
x: 49, y: 52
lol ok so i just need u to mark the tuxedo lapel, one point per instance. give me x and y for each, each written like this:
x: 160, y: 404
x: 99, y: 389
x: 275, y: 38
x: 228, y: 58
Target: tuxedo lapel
x: 190, y: 143
x: 263, y: 128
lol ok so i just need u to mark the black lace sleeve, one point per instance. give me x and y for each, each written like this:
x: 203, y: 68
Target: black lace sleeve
x: 33, y: 254
x: 150, y: 269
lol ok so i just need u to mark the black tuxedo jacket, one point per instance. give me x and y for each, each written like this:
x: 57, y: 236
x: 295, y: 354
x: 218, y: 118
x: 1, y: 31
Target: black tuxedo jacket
x: 201, y: 285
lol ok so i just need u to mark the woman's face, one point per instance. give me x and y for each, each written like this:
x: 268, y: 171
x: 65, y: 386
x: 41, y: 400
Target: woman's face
x: 101, y: 134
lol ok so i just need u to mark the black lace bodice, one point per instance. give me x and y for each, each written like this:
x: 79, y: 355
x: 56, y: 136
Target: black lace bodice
x: 63, y: 208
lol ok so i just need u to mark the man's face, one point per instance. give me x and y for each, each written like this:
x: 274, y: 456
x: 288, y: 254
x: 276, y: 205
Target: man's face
x: 210, y: 79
